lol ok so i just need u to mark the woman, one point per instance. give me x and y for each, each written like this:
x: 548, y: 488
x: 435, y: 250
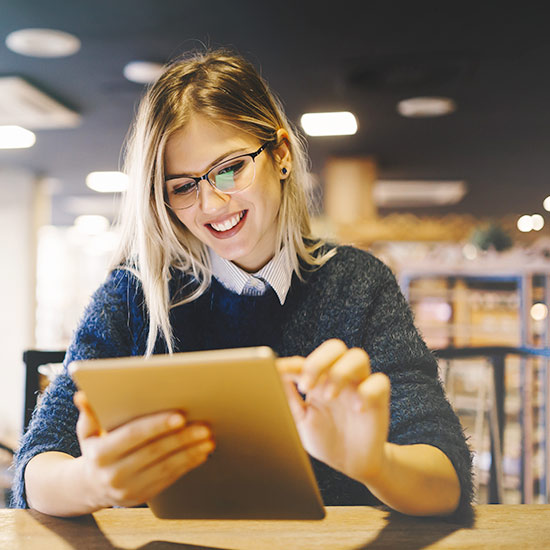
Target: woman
x: 216, y: 252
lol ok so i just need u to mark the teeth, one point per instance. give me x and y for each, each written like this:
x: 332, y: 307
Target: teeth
x: 228, y: 224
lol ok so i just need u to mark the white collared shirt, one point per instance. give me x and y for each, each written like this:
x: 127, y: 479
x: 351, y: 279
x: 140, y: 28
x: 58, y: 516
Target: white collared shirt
x: 277, y: 273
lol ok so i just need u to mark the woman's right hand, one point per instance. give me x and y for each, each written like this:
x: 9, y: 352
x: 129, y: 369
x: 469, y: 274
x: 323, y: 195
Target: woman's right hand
x: 136, y: 461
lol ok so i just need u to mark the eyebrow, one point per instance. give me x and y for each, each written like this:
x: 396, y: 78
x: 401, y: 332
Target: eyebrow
x: 235, y: 153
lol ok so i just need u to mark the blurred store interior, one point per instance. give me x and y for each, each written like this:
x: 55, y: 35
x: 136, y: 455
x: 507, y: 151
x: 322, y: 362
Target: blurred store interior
x: 444, y: 174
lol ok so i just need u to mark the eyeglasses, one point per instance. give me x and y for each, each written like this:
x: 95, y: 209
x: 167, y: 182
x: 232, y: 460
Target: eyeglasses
x: 228, y: 177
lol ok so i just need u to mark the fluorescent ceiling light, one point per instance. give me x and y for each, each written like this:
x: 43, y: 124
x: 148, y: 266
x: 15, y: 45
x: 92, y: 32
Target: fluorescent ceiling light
x: 329, y: 124
x: 418, y: 107
x: 42, y: 43
x: 25, y: 105
x: 142, y: 72
x: 107, y: 182
x: 400, y: 193
x: 15, y: 137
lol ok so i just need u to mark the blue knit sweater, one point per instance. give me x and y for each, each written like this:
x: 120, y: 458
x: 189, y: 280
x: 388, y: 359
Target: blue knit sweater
x: 354, y: 297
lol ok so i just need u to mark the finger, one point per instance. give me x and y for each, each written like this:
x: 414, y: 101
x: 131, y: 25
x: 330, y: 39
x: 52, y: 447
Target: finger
x: 164, y: 473
x: 319, y: 361
x: 295, y: 401
x: 352, y: 368
x: 159, y: 475
x: 374, y: 392
x: 290, y: 367
x: 134, y: 434
x: 87, y: 424
x: 162, y: 447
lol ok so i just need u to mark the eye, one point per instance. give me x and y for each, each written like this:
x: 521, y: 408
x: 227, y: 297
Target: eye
x: 231, y: 168
x: 184, y: 188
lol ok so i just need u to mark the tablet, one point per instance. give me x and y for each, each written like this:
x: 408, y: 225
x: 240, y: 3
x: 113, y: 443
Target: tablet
x: 258, y: 470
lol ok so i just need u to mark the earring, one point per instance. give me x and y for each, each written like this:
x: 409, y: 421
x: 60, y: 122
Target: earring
x: 284, y: 171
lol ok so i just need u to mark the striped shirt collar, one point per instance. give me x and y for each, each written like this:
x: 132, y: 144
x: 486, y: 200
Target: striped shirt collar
x: 277, y: 273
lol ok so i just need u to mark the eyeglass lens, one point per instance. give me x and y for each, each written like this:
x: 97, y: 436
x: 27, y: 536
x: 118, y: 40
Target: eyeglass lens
x: 231, y: 176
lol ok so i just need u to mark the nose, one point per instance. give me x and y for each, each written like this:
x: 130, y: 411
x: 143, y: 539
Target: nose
x: 210, y: 198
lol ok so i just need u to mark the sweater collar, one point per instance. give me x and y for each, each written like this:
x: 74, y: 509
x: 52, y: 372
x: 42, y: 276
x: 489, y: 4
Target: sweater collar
x: 277, y: 273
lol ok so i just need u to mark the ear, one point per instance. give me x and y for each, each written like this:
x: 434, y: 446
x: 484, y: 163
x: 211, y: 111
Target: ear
x: 281, y: 154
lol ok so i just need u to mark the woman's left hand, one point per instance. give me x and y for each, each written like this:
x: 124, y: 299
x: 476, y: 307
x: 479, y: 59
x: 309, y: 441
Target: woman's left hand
x: 344, y: 418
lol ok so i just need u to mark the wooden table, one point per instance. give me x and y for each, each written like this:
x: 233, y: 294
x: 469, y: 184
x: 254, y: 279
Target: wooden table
x: 517, y: 527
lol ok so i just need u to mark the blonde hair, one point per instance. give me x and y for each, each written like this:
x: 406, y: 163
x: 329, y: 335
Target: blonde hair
x: 224, y: 87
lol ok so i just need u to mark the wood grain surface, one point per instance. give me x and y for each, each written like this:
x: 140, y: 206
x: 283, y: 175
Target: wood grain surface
x: 518, y: 527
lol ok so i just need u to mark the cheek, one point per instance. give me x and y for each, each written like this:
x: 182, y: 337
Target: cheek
x: 273, y: 196
x: 186, y: 219
x: 185, y: 216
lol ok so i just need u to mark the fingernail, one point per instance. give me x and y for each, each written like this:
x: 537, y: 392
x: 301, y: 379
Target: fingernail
x: 207, y: 446
x: 202, y: 432
x: 176, y: 421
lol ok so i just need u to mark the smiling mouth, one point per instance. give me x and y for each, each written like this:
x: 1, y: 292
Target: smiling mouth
x: 229, y: 226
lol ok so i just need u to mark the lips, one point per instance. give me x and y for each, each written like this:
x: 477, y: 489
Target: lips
x: 227, y: 228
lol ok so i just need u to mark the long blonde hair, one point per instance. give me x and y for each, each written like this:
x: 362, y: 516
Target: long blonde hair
x: 225, y: 87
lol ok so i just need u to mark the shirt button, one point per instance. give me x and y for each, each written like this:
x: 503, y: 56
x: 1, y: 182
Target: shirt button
x: 257, y: 284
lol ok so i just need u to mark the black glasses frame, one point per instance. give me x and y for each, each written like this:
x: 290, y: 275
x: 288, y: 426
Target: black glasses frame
x: 198, y: 179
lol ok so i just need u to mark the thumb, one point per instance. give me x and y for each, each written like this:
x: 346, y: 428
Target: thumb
x: 87, y: 425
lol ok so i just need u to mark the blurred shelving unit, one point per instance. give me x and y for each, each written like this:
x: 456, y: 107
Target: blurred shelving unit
x: 488, y: 302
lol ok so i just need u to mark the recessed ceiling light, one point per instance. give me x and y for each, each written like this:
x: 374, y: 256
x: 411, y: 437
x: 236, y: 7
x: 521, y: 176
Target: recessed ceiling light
x: 143, y: 72
x: 398, y: 193
x: 546, y: 203
x: 42, y: 43
x: 341, y: 123
x: 418, y: 107
x: 15, y: 137
x: 107, y: 182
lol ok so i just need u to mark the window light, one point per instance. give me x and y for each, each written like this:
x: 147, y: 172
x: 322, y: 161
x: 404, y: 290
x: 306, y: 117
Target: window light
x: 91, y: 224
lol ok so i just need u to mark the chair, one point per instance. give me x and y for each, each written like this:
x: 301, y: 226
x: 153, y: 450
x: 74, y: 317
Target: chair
x: 34, y: 359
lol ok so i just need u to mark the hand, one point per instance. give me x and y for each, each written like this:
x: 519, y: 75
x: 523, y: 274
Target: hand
x: 344, y: 418
x: 136, y: 461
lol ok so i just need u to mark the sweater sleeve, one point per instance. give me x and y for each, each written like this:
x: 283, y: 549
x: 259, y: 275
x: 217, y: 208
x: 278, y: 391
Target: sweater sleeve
x: 420, y: 411
x: 110, y: 327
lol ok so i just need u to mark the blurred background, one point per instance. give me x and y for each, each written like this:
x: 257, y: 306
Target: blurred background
x: 440, y: 168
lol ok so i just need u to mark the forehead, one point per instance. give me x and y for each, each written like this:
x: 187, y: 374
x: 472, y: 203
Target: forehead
x: 195, y: 147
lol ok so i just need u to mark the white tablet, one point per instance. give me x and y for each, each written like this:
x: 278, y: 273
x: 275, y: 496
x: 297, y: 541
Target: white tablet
x: 259, y: 469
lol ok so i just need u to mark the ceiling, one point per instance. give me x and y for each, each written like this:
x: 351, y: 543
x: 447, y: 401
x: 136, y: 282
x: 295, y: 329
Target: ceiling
x: 361, y: 56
